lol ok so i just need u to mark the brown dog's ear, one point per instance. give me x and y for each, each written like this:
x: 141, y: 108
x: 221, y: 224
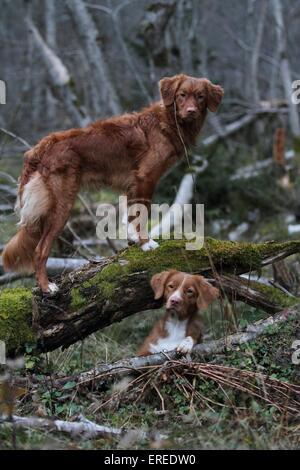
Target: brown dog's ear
x: 214, y: 97
x: 168, y: 87
x: 206, y: 293
x: 158, y: 283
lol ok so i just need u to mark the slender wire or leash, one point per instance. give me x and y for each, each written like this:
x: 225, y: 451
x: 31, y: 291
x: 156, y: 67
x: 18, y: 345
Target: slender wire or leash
x: 185, y: 152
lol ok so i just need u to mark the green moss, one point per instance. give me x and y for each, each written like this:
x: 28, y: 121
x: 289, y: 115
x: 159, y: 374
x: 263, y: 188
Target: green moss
x: 219, y: 253
x: 77, y: 300
x: 111, y: 272
x: 276, y: 296
x: 239, y: 254
x: 171, y: 254
x: 16, y: 318
x: 100, y: 286
x: 106, y: 280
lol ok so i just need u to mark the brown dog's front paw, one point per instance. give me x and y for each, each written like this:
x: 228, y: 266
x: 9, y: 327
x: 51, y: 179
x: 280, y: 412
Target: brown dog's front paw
x: 186, y: 346
x: 52, y: 288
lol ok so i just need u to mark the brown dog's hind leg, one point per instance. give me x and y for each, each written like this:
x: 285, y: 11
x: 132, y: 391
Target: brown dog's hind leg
x: 64, y: 190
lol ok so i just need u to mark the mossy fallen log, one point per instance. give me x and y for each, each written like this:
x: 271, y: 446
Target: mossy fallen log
x: 100, y: 294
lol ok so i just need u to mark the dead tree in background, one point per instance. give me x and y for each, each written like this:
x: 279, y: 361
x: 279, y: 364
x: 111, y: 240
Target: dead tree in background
x: 98, y: 67
x: 256, y: 50
x: 50, y: 27
x: 59, y: 78
x: 114, y: 14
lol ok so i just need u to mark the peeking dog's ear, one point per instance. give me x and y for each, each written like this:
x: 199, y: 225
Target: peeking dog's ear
x: 214, y: 96
x: 168, y: 87
x: 158, y: 283
x: 206, y: 293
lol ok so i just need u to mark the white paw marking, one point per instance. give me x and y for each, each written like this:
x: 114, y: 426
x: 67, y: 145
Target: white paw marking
x: 186, y: 345
x: 52, y: 288
x: 150, y: 245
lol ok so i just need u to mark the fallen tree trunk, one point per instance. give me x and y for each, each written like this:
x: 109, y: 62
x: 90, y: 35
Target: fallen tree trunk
x: 253, y: 293
x: 105, y: 292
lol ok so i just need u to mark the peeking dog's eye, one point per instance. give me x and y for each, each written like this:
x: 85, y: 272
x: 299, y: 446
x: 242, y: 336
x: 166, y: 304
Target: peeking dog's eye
x: 200, y: 97
x: 190, y: 291
x: 170, y: 286
x: 182, y: 94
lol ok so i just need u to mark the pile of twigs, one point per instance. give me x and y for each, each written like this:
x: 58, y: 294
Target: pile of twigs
x: 283, y: 396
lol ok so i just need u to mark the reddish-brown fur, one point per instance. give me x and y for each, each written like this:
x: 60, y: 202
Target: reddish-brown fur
x: 196, y: 295
x: 128, y: 152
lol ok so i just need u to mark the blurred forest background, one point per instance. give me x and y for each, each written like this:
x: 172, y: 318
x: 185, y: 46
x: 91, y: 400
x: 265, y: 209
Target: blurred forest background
x: 67, y: 63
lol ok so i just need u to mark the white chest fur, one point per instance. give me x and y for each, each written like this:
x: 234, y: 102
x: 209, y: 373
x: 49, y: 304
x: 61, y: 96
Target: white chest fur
x: 176, y: 333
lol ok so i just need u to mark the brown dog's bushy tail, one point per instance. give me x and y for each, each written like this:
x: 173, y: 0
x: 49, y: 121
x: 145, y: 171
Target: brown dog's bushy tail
x: 18, y: 253
x: 33, y: 203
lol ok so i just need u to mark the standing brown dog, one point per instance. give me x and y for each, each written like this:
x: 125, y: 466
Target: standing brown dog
x: 129, y: 153
x: 180, y: 327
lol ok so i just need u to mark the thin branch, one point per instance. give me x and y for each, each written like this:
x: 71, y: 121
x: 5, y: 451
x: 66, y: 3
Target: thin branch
x: 75, y: 428
x: 16, y: 137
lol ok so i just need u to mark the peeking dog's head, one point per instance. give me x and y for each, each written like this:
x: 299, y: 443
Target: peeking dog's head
x: 184, y: 293
x: 190, y: 96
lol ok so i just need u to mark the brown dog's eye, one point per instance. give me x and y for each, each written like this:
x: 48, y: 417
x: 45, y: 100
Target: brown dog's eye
x: 182, y: 94
x: 190, y: 291
x: 170, y: 286
x: 200, y: 97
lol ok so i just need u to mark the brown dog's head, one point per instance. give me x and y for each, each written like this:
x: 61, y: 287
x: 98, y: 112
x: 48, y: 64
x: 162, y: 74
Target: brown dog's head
x: 190, y: 96
x: 184, y: 293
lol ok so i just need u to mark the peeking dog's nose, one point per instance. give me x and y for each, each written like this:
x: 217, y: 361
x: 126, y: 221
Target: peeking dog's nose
x: 191, y: 110
x: 175, y: 299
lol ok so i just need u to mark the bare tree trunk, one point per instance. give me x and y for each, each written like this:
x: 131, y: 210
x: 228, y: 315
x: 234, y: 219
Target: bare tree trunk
x: 114, y: 14
x: 256, y: 51
x: 118, y: 29
x: 98, y: 67
x: 50, y: 26
x: 286, y: 75
x: 60, y: 79
x: 184, y: 35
